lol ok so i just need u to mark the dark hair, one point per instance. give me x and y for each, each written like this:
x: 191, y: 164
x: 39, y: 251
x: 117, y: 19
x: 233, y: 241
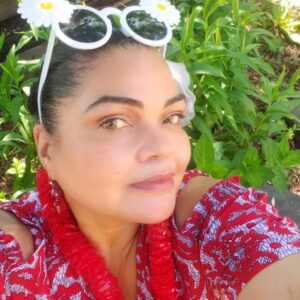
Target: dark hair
x: 66, y: 70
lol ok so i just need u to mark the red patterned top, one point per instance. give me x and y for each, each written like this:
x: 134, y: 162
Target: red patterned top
x: 233, y: 233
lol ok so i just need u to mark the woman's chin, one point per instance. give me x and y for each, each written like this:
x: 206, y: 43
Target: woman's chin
x: 157, y: 214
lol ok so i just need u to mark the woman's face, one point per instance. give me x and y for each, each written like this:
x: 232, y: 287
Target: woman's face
x: 119, y: 151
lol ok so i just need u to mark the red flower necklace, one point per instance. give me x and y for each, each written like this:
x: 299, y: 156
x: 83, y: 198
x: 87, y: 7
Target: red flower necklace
x: 82, y: 255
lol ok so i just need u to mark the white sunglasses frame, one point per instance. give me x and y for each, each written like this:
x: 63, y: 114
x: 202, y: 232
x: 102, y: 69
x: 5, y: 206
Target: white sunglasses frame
x: 103, y: 14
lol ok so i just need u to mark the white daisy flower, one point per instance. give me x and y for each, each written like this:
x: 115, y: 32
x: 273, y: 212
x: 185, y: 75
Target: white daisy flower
x: 44, y: 12
x: 162, y: 10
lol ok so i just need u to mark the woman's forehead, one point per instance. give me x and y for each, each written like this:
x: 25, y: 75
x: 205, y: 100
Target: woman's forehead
x: 132, y: 72
x: 125, y: 62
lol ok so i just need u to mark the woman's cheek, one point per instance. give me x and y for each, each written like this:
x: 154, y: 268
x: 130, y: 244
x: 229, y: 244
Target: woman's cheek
x: 183, y: 149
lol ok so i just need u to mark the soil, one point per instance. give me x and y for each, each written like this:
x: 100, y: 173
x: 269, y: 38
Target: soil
x: 294, y: 180
x: 6, y: 181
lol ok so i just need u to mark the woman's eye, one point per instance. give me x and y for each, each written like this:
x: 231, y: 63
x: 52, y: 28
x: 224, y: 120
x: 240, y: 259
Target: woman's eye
x: 113, y: 123
x: 174, y: 119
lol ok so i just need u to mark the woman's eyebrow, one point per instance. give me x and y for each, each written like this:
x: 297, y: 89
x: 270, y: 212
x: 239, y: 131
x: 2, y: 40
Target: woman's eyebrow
x: 130, y: 101
x: 177, y: 98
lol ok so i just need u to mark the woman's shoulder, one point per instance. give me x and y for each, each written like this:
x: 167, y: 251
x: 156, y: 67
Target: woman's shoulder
x: 27, y: 208
x: 194, y: 186
x: 201, y: 198
x: 21, y: 228
x: 24, y: 248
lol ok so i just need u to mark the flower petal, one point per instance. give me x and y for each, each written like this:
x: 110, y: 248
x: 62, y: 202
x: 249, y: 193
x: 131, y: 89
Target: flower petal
x: 169, y: 15
x: 35, y: 13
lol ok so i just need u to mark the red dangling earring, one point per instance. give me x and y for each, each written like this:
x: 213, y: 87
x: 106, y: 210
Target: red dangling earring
x: 57, y: 194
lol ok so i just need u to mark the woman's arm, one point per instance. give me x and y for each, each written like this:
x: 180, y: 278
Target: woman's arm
x: 279, y: 281
x: 11, y: 225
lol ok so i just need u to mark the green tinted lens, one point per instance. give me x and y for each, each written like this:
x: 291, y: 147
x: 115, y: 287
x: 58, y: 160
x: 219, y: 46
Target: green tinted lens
x: 145, y: 26
x: 85, y: 27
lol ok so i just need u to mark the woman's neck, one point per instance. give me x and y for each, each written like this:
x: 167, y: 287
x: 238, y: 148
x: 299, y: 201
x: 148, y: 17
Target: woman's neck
x: 116, y: 242
x: 113, y: 239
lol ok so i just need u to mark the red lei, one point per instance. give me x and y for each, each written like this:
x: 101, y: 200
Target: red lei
x: 82, y: 255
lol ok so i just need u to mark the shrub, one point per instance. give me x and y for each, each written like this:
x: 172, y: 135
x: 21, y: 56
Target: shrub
x: 17, y: 151
x: 240, y: 126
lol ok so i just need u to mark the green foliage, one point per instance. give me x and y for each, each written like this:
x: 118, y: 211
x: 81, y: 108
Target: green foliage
x: 240, y: 125
x: 16, y: 140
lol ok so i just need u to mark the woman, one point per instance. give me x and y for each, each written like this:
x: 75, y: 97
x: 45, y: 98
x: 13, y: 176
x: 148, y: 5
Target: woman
x: 115, y: 216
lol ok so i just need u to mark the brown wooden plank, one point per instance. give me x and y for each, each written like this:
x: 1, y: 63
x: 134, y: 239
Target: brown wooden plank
x: 8, y: 9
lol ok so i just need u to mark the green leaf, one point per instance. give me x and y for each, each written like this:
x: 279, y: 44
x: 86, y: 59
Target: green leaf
x: 210, y: 9
x: 216, y: 85
x: 219, y: 151
x: 258, y: 175
x: 210, y: 49
x: 204, y: 154
x: 258, y: 64
x: 288, y: 94
x: 244, y: 107
x: 295, y: 77
x: 279, y: 180
x: 240, y: 78
x: 202, y: 126
x: 116, y: 20
x: 11, y: 144
x: 262, y: 32
x: 2, y: 38
x: 235, y: 9
x: 276, y: 128
x: 188, y: 30
x: 215, y: 102
x: 206, y: 69
x: 271, y: 152
x: 276, y: 88
x: 13, y: 137
x: 284, y: 147
x: 251, y: 47
x: 25, y: 39
x: 239, y: 158
x: 217, y: 170
x: 251, y: 158
x: 292, y: 159
x: 276, y: 114
x: 236, y: 172
x: 35, y: 31
x: 232, y: 122
x: 258, y: 96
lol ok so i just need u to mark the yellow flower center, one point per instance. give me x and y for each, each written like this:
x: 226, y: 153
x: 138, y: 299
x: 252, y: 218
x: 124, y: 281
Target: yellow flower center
x: 161, y: 6
x: 46, y: 5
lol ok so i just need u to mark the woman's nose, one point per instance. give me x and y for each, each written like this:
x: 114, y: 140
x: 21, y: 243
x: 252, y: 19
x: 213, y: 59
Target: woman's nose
x: 154, y: 145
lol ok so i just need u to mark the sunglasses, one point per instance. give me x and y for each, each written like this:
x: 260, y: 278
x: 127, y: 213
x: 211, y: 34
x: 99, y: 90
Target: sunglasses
x: 90, y: 28
x: 85, y: 28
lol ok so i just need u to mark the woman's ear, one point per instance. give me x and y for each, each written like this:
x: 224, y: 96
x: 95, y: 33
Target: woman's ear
x: 43, y: 140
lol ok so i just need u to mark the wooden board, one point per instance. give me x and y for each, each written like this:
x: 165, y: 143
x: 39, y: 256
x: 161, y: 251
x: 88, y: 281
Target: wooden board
x: 8, y: 8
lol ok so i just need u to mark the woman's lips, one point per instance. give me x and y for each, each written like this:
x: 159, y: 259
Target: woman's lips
x: 156, y: 183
